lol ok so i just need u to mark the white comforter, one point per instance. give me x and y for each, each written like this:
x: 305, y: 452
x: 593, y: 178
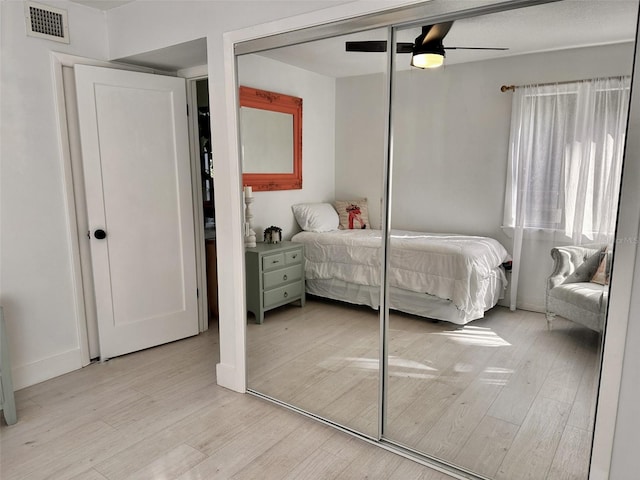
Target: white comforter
x: 453, y: 267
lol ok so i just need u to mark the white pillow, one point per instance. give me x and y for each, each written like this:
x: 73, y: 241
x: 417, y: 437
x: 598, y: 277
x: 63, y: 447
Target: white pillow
x: 316, y: 217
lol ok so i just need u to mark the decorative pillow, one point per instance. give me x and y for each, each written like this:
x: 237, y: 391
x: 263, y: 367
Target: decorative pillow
x: 601, y: 276
x: 316, y: 217
x: 354, y: 214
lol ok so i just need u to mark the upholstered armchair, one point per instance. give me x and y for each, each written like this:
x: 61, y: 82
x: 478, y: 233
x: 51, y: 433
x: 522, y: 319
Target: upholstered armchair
x: 571, y: 293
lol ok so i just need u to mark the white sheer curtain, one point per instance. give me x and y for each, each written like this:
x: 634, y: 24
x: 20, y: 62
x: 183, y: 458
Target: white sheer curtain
x: 565, y: 159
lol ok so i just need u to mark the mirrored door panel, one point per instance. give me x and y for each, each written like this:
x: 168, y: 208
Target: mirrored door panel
x: 503, y: 215
x: 324, y: 356
x: 500, y: 163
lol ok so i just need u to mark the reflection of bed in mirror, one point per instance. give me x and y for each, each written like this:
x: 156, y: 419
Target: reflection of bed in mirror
x: 445, y: 277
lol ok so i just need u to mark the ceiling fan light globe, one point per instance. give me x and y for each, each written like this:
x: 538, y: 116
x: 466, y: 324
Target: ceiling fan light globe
x: 427, y: 60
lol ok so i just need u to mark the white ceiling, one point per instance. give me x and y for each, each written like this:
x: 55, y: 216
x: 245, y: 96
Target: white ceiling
x: 552, y: 26
x: 173, y: 58
x: 102, y: 4
x: 547, y: 27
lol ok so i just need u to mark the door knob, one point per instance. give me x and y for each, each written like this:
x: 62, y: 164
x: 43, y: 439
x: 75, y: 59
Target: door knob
x: 100, y: 234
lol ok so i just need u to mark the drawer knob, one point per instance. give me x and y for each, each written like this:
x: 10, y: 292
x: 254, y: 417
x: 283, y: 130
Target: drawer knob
x: 286, y: 294
x: 284, y: 277
x: 275, y: 261
x: 295, y: 256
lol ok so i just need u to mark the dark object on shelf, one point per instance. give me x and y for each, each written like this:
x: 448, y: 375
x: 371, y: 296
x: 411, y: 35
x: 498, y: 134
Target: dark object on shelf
x: 273, y: 235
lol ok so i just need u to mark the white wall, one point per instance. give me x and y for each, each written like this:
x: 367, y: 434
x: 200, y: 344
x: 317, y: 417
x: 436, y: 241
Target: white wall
x: 148, y: 25
x: 35, y: 275
x: 318, y: 132
x: 451, y: 133
x: 360, y: 134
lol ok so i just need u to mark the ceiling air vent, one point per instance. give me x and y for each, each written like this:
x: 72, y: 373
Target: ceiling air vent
x: 47, y: 22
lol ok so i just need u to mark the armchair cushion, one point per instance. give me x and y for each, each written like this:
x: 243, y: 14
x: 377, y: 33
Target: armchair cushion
x: 586, y: 295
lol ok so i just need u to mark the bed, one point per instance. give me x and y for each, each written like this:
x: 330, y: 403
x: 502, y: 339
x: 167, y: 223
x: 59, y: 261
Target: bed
x: 454, y: 278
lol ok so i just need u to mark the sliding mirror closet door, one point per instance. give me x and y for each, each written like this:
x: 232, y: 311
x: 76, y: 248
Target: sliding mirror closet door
x: 324, y: 357
x: 494, y: 340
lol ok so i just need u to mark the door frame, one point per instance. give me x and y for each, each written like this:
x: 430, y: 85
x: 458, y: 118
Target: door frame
x: 76, y: 210
x: 192, y: 75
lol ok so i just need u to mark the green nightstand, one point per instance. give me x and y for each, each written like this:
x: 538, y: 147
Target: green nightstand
x: 275, y: 276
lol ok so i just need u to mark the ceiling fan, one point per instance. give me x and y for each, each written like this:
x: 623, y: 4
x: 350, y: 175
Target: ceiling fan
x: 427, y: 50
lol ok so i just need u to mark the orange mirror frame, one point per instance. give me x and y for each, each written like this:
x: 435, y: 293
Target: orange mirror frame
x: 276, y: 102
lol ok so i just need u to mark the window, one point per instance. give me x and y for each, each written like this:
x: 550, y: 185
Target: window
x: 565, y: 158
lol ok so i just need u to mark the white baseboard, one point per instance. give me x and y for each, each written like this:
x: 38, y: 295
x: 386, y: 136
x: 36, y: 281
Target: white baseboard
x: 36, y: 372
x: 528, y: 306
x: 531, y: 307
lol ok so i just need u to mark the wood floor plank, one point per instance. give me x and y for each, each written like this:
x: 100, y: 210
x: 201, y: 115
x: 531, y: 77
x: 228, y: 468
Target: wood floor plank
x: 242, y: 450
x: 584, y: 406
x: 452, y: 430
x: 357, y: 378
x: 410, y: 470
x: 571, y: 461
x: 51, y: 459
x: 90, y: 474
x: 283, y: 458
x: 145, y: 449
x: 534, y: 447
x: 487, y: 446
x: 374, y: 463
x: 565, y: 375
x: 518, y: 395
x: 90, y: 449
x: 345, y: 447
x: 319, y: 464
x: 304, y: 371
x: 171, y: 465
x: 225, y: 427
x: 357, y: 408
x: 422, y: 414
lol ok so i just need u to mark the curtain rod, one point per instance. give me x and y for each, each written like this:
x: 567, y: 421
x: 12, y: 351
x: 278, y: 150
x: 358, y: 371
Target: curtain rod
x: 506, y: 88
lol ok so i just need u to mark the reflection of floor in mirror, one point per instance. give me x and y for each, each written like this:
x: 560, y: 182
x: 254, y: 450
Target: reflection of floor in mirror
x: 501, y: 396
x: 158, y: 413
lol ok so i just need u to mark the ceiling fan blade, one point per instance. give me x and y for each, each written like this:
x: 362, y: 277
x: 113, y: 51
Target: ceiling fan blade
x: 435, y: 32
x: 376, y: 46
x: 476, y: 48
x: 404, y: 47
x: 366, y: 46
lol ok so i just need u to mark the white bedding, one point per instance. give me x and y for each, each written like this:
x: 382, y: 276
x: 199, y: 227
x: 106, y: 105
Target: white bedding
x: 452, y: 267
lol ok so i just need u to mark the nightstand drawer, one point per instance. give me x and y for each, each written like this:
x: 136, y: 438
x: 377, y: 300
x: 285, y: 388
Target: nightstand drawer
x: 282, y: 294
x: 294, y: 256
x: 284, y: 275
x: 269, y: 262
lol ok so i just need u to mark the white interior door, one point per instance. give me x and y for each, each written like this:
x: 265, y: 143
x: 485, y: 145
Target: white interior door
x: 133, y: 130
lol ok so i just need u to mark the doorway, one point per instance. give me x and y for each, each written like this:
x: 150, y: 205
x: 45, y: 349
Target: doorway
x: 202, y: 139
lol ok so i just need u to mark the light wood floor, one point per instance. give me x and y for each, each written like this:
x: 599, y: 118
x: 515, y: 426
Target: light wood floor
x: 158, y: 414
x: 501, y: 396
